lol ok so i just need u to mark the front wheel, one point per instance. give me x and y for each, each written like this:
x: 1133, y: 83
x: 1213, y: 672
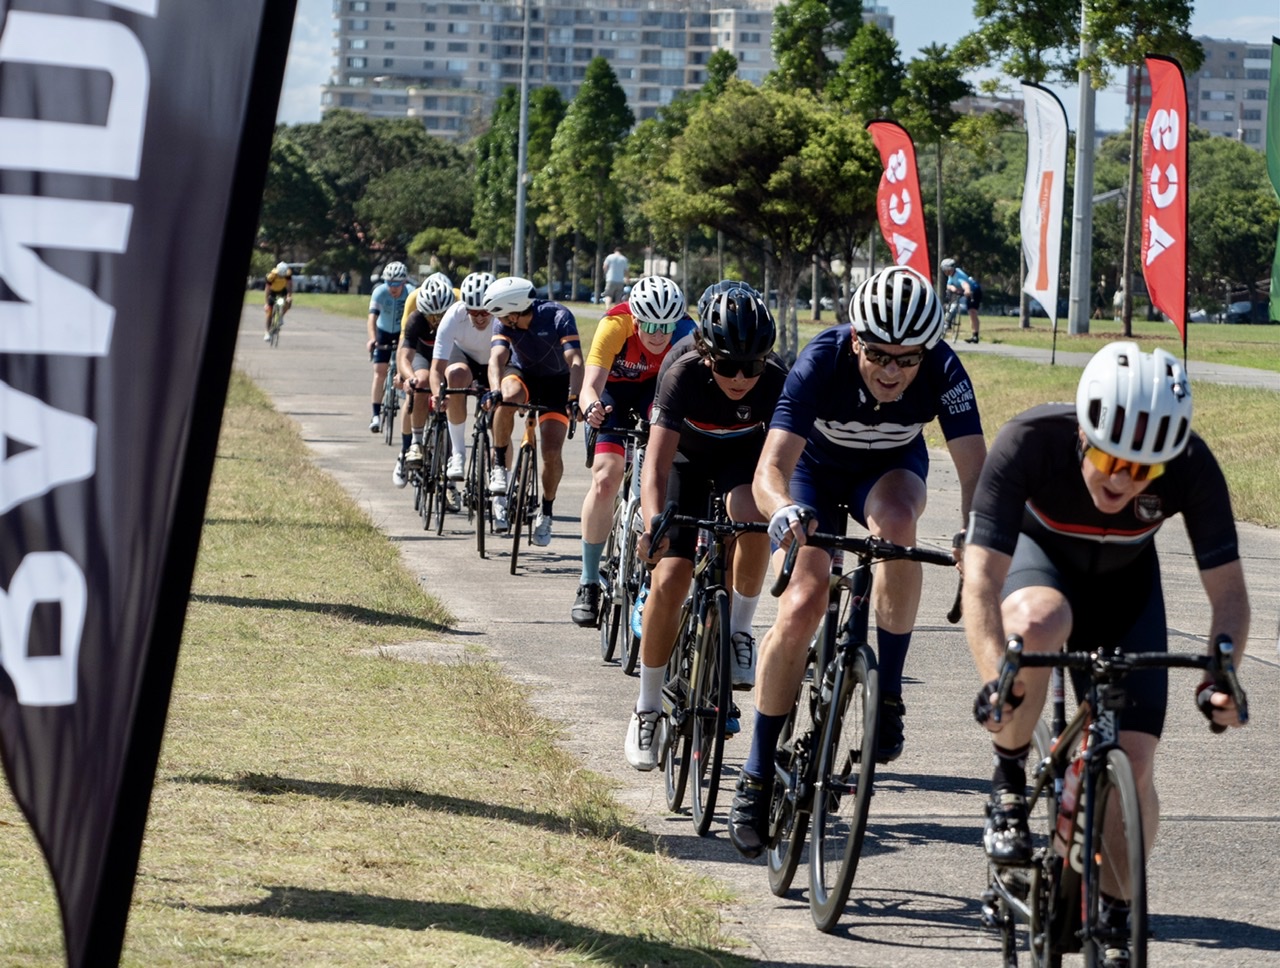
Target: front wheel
x: 439, y: 465
x: 792, y: 790
x: 521, y: 509
x: 611, y: 606
x: 678, y: 737
x: 478, y: 486
x: 842, y: 791
x: 710, y: 705
x: 1121, y: 873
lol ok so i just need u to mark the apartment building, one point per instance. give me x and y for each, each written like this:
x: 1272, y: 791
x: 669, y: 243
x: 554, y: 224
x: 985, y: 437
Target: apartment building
x: 446, y: 63
x: 1227, y: 96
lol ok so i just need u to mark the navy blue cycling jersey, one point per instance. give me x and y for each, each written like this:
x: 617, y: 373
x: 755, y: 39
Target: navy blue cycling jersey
x: 826, y: 401
x: 539, y: 350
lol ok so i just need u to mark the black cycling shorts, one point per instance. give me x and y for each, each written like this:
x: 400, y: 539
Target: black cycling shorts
x: 691, y: 484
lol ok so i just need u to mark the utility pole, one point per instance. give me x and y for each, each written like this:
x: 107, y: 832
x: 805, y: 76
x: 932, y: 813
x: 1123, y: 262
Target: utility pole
x: 522, y: 153
x: 1082, y: 214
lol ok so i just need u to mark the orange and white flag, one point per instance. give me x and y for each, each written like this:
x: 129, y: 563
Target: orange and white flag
x: 1042, y: 195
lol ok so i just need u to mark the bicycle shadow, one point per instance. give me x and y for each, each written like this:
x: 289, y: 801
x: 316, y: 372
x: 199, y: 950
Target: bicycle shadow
x: 344, y: 610
x: 1213, y: 934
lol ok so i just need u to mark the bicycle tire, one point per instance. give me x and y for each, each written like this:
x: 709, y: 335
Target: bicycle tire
x: 790, y: 809
x: 478, y: 506
x: 1116, y: 790
x: 440, y: 447
x: 1043, y: 819
x: 842, y: 789
x: 610, y: 588
x: 277, y: 320
x: 524, y: 498
x: 636, y: 578
x: 678, y: 738
x: 390, y: 407
x: 711, y: 705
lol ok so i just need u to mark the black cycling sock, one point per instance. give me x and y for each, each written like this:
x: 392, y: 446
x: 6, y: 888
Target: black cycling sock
x: 500, y: 457
x: 1010, y: 769
x: 546, y: 506
x: 1113, y: 912
x: 377, y: 409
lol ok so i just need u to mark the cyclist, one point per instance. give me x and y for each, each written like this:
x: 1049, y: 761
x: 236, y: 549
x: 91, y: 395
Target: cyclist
x: 413, y: 364
x: 460, y: 359
x: 963, y: 284
x: 716, y: 394
x: 632, y: 340
x: 848, y: 432
x: 386, y: 309
x: 1061, y: 548
x: 279, y: 282
x: 536, y: 358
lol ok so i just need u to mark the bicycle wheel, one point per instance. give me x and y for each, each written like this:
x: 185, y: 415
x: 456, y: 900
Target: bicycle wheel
x: 520, y: 507
x: 710, y: 703
x: 678, y: 739
x: 277, y: 320
x: 637, y: 577
x: 1125, y: 874
x: 1044, y: 874
x: 478, y: 488
x: 842, y: 791
x: 390, y: 406
x: 439, y: 476
x: 792, y: 797
x: 611, y: 596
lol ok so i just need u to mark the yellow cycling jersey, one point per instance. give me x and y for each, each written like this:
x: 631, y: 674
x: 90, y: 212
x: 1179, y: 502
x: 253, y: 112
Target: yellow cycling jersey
x: 277, y: 283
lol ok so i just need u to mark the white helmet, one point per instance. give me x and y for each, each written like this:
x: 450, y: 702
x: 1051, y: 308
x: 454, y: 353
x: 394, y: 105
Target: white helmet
x: 395, y: 272
x: 435, y: 295
x: 1135, y: 405
x: 473, y: 288
x: 656, y: 300
x: 511, y: 294
x: 282, y: 268
x: 948, y: 264
x: 897, y: 306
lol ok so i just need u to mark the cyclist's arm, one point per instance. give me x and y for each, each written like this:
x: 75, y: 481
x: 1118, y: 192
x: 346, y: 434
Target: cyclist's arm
x: 984, y: 573
x: 592, y: 386
x: 1229, y: 602
x: 968, y: 454
x: 404, y: 361
x: 573, y: 356
x: 372, y: 323
x: 658, y: 458
x: 771, y: 487
x: 437, y: 376
x: 499, y: 354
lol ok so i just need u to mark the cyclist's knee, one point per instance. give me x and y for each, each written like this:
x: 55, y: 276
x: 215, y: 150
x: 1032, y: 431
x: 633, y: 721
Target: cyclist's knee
x: 1041, y: 615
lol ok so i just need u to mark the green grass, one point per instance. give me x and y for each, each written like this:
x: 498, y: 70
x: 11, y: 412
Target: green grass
x: 321, y: 803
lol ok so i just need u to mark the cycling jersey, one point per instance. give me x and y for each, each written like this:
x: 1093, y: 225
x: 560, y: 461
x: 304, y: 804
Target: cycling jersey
x: 616, y: 347
x: 279, y: 283
x: 1031, y: 483
x: 539, y: 350
x: 958, y: 278
x: 420, y: 334
x: 689, y: 401
x: 388, y: 309
x: 827, y: 402
x: 456, y: 333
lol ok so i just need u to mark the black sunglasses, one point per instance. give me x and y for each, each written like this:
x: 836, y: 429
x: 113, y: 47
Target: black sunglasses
x: 881, y: 358
x: 731, y: 368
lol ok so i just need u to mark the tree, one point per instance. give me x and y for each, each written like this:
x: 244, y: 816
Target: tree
x: 434, y: 192
x: 869, y: 77
x: 451, y: 250
x: 295, y: 203
x: 1124, y: 33
x: 803, y: 32
x: 1029, y: 40
x: 576, y: 185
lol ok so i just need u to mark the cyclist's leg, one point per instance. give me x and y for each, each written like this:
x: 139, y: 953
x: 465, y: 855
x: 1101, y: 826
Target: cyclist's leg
x: 458, y: 375
x: 513, y: 391
x: 553, y: 428
x: 748, y: 562
x: 670, y: 579
x: 271, y: 302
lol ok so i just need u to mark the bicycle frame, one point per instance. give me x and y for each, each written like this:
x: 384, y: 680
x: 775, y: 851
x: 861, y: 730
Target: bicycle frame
x: 618, y: 567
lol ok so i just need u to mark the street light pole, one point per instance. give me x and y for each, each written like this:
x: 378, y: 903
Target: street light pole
x: 1082, y: 214
x: 522, y: 153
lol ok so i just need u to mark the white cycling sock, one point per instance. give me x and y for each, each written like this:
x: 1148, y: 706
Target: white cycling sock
x: 742, y: 612
x: 458, y: 437
x: 651, y: 679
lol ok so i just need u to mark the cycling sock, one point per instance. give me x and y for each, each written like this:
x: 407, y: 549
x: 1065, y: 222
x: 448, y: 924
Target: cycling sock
x: 742, y: 612
x: 592, y: 552
x: 405, y: 441
x: 458, y: 437
x: 1113, y: 912
x: 764, y: 741
x: 377, y: 409
x: 500, y: 457
x: 547, y: 505
x: 892, y: 649
x: 651, y: 680
x: 418, y: 437
x: 1009, y: 768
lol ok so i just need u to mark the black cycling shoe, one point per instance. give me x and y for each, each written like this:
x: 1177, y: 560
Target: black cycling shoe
x: 889, y: 745
x: 586, y: 607
x: 972, y: 339
x: 749, y: 816
x: 1007, y: 838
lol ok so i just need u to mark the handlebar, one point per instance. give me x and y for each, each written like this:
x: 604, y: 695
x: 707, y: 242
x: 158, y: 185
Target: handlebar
x: 639, y: 433
x: 871, y: 547
x: 720, y: 527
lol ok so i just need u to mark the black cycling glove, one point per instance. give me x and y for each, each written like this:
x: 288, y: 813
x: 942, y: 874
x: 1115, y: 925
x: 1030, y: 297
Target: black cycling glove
x: 982, y: 705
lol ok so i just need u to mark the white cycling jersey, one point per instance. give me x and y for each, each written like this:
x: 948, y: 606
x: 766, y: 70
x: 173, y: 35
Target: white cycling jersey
x: 457, y: 335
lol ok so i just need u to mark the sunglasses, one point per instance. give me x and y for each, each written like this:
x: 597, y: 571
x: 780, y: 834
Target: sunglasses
x: 1114, y: 465
x: 477, y: 313
x: 731, y: 368
x: 395, y: 285
x: 653, y: 329
x: 880, y: 358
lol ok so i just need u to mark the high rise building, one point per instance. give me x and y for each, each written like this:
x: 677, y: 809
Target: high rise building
x: 446, y: 63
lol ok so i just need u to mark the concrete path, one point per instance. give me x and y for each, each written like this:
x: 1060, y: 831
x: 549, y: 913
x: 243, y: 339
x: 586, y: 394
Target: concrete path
x: 915, y: 902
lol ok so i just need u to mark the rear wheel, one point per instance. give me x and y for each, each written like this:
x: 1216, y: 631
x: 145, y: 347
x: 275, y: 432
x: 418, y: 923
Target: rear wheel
x: 521, y: 509
x: 477, y: 485
x: 675, y: 702
x: 842, y: 794
x: 637, y: 576
x: 390, y: 407
x: 610, y: 592
x: 1120, y: 873
x: 440, y: 462
x: 711, y: 708
x: 789, y: 811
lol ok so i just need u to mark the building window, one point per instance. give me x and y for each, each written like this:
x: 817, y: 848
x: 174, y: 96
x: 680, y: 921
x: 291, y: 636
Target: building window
x: 1256, y: 74
x: 457, y: 47
x: 388, y: 45
x: 359, y: 25
x: 389, y: 25
x: 388, y: 62
x: 749, y: 38
x: 1252, y: 136
x: 391, y: 6
x: 356, y: 62
x: 431, y: 28
x: 1255, y: 94
x: 359, y: 44
x: 428, y: 45
x: 1251, y: 114
x: 359, y: 6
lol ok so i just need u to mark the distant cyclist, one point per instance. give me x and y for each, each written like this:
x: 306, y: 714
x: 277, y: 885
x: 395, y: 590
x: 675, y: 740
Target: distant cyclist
x: 413, y: 363
x: 631, y: 341
x: 966, y: 287
x: 461, y: 359
x: 279, y: 283
x: 386, y: 310
x: 536, y: 357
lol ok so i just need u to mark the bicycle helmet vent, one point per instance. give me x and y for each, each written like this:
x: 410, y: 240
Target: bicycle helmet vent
x: 1135, y: 405
x: 897, y: 306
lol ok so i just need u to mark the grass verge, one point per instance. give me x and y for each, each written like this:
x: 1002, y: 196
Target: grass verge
x: 320, y: 803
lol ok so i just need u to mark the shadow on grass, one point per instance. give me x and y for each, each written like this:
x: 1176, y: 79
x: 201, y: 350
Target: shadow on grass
x: 272, y: 785
x: 536, y: 932
x: 345, y: 610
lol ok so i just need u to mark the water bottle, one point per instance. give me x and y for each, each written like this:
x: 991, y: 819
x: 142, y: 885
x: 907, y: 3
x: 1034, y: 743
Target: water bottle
x: 1067, y: 803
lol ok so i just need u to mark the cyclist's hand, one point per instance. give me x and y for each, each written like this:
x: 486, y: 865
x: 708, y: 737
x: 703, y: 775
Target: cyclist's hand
x: 792, y: 522
x: 651, y: 555
x: 491, y: 399
x: 957, y: 549
x: 1214, y: 700
x: 984, y: 704
x: 597, y: 413
x: 371, y: 344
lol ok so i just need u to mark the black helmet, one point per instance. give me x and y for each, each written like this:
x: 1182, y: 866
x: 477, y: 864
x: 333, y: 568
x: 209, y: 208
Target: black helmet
x: 713, y: 290
x: 737, y: 325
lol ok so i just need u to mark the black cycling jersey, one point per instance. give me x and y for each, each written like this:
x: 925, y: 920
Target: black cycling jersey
x: 1031, y: 483
x: 420, y: 334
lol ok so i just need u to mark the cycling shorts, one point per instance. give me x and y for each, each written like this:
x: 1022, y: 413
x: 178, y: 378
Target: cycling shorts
x: 973, y: 300
x: 544, y: 391
x: 479, y: 371
x: 1122, y: 608
x: 827, y: 491
x: 271, y: 296
x: 384, y: 349
x: 691, y: 483
x: 628, y: 401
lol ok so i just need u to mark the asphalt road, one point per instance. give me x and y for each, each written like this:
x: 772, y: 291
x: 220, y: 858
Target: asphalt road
x: 1213, y: 892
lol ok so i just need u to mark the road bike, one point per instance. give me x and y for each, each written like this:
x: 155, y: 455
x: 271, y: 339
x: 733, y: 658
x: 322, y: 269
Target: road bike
x: 391, y: 398
x: 523, y: 484
x: 621, y: 571
x: 951, y: 318
x: 826, y: 760
x: 696, y: 696
x: 1081, y: 782
x: 277, y: 320
x: 435, y: 459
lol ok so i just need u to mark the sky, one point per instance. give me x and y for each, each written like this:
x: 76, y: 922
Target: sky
x: 917, y: 23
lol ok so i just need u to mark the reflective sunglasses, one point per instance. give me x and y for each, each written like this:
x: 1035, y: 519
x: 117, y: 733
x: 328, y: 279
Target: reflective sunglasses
x: 880, y: 358
x: 477, y: 313
x: 731, y: 368
x: 399, y: 284
x: 654, y: 328
x: 1114, y: 465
